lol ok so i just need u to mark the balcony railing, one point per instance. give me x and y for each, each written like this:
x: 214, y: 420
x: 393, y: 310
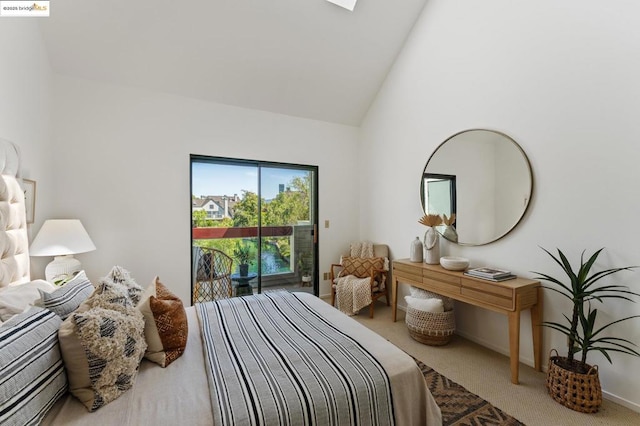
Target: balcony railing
x: 240, y: 232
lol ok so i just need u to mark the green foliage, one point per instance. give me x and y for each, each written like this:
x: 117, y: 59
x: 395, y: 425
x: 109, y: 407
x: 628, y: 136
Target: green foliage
x: 243, y: 253
x: 304, y: 265
x: 287, y: 208
x: 246, y: 210
x: 199, y: 218
x: 581, y: 330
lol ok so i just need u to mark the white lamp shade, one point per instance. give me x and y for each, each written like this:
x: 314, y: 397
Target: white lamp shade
x: 59, y: 237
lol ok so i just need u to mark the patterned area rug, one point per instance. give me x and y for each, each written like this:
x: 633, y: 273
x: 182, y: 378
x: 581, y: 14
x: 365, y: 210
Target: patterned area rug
x: 461, y: 407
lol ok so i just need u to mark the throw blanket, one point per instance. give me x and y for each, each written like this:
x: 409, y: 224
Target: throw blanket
x: 353, y: 294
x: 273, y: 360
x: 362, y: 249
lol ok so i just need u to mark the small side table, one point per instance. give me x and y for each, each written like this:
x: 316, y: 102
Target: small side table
x: 243, y: 288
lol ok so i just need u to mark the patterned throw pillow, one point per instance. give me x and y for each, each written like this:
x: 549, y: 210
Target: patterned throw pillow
x: 32, y: 375
x: 67, y: 298
x: 102, y: 349
x: 165, y: 327
x: 360, y: 266
x: 121, y: 276
x: 108, y: 295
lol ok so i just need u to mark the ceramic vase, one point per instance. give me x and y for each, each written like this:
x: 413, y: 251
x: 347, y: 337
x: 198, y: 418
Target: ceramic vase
x: 416, y: 251
x: 431, y: 246
x: 450, y: 233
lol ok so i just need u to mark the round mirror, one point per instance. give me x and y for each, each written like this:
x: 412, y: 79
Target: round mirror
x: 483, y: 179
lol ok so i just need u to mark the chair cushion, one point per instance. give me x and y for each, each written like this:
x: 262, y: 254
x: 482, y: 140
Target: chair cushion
x: 360, y: 266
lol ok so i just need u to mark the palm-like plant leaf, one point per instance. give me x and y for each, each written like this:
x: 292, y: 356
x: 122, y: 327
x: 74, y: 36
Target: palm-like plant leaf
x: 580, y: 287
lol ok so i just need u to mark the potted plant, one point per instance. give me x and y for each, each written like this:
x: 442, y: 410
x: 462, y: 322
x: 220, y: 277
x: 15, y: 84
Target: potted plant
x: 242, y: 253
x: 570, y: 381
x: 305, y: 269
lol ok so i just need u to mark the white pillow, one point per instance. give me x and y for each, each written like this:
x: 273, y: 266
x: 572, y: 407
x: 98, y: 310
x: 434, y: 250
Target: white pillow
x: 16, y: 298
x: 426, y: 305
x: 420, y: 293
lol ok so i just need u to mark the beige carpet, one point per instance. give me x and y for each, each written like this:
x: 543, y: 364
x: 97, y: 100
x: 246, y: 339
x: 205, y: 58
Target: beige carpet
x: 486, y: 373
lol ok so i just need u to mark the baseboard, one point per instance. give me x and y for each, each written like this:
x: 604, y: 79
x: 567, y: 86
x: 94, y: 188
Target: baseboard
x: 529, y: 361
x: 621, y: 401
x: 525, y: 360
x: 481, y: 342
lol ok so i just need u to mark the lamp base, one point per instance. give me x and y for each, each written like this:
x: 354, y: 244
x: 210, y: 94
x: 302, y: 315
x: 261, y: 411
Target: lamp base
x: 62, y: 268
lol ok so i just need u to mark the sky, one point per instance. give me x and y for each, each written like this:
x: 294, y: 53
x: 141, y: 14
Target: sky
x: 220, y: 179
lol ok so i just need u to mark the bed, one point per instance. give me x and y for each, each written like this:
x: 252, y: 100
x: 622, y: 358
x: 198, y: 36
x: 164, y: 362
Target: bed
x: 275, y: 358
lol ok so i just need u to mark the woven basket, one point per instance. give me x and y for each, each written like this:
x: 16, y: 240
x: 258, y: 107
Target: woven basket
x: 580, y: 392
x: 430, y: 328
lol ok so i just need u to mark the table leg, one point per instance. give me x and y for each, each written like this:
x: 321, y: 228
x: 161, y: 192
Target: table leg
x: 536, y: 330
x: 514, y: 344
x: 394, y: 297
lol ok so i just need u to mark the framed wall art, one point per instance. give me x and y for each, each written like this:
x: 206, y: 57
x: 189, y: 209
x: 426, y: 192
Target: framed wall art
x: 29, y: 187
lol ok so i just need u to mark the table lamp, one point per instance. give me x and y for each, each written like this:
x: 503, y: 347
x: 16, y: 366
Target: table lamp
x: 61, y: 238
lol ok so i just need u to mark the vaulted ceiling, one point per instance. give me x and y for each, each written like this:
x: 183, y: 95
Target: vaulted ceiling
x: 306, y: 58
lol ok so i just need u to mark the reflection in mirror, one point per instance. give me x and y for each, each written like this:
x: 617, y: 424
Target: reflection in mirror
x: 439, y: 192
x: 484, y: 178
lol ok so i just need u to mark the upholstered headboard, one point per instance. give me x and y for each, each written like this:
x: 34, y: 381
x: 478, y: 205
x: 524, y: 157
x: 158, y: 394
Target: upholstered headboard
x: 14, y: 240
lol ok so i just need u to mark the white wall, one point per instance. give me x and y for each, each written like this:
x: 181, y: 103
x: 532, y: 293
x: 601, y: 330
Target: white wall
x: 25, y: 100
x: 561, y: 78
x: 122, y: 158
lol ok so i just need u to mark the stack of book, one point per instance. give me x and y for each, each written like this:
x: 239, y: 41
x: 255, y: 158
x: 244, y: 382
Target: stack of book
x: 491, y: 274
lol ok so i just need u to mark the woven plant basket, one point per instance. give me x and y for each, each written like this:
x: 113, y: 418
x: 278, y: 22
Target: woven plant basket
x: 430, y: 328
x: 580, y: 392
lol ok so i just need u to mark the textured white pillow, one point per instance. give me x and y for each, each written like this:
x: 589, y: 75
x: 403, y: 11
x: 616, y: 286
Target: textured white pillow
x: 426, y: 305
x: 420, y: 293
x: 102, y: 350
x: 120, y: 275
x: 15, y: 299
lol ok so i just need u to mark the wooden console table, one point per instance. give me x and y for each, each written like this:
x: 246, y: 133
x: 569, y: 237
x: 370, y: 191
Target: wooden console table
x: 506, y: 297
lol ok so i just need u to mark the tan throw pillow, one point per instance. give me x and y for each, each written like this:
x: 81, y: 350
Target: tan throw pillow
x: 101, y: 349
x: 165, y: 327
x: 360, y: 266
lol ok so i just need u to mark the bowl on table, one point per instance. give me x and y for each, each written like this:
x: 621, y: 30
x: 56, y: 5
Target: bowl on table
x: 454, y: 263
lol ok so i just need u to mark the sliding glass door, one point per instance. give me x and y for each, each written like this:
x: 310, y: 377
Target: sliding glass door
x: 262, y: 215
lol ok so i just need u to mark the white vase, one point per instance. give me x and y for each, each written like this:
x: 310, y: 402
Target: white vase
x: 431, y: 246
x: 450, y: 233
x: 416, y: 251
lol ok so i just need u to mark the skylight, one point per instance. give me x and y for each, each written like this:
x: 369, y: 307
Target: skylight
x: 347, y: 4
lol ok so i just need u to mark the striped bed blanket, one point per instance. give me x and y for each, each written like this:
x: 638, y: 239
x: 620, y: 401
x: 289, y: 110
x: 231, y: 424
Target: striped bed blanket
x: 271, y: 359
